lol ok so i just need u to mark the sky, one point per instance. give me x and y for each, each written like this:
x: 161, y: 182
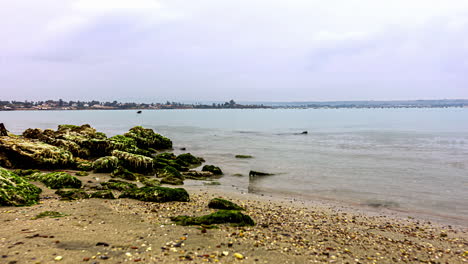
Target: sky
x: 246, y: 50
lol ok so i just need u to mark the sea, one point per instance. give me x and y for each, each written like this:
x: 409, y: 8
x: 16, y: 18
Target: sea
x: 410, y: 160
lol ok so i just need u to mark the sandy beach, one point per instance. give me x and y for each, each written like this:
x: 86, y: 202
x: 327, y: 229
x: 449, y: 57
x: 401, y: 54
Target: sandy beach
x: 125, y: 230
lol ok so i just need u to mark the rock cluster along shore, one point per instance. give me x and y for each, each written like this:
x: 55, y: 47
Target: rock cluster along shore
x: 138, y: 155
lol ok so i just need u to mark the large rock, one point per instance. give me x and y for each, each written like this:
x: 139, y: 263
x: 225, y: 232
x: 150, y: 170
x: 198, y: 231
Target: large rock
x: 106, y: 164
x: 134, y: 162
x: 119, y: 185
x: 56, y: 180
x: 188, y: 160
x: 15, y: 191
x: 219, y: 217
x: 218, y: 203
x: 21, y: 152
x: 157, y: 194
x: 171, y: 176
x: 214, y: 169
x: 146, y: 138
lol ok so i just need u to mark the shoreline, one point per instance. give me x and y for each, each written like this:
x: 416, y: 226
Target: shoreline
x: 286, y: 231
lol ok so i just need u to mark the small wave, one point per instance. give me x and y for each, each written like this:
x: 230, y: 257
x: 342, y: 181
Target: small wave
x: 381, y: 204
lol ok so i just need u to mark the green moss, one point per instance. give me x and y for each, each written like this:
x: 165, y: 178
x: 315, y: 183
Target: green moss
x: 146, y: 138
x: 134, y: 162
x: 50, y: 214
x: 218, y: 203
x: 214, y: 169
x: 149, y: 182
x: 72, y: 194
x: 244, y: 156
x: 57, y: 180
x: 171, y: 176
x: 198, y: 175
x: 188, y: 159
x: 123, y: 173
x: 157, y: 194
x: 104, y: 194
x: 84, y: 165
x: 27, y: 172
x: 219, y: 217
x: 167, y: 156
x: 106, y: 164
x: 15, y: 191
x: 81, y: 173
x: 119, y: 185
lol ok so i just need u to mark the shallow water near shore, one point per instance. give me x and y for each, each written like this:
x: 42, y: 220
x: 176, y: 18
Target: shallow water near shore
x: 410, y: 160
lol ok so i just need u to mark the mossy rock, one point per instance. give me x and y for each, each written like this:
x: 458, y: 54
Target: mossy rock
x: 161, y: 163
x: 146, y: 138
x: 119, y: 185
x: 149, y: 182
x: 49, y: 214
x: 106, y: 164
x: 27, y: 172
x: 57, y: 180
x: 167, y: 156
x: 188, y: 159
x: 220, y: 217
x: 218, y: 203
x: 134, y: 162
x: 214, y: 169
x: 128, y: 144
x: 104, y: 194
x: 123, y: 173
x: 171, y: 176
x: 19, y: 152
x: 197, y: 175
x: 172, y: 181
x: 81, y: 173
x: 157, y: 194
x: 84, y: 165
x: 244, y: 156
x: 16, y: 191
x: 72, y: 194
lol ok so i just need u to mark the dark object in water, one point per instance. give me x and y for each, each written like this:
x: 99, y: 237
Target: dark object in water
x: 259, y: 173
x: 139, y: 112
x: 183, y: 148
x: 3, y: 131
x: 302, y: 133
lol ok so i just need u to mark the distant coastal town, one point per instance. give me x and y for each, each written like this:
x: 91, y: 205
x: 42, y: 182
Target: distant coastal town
x: 115, y: 105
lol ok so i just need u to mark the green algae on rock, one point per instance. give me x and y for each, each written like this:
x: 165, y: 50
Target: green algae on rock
x: 49, y: 214
x: 16, y: 191
x: 149, y: 182
x: 146, y: 138
x: 171, y: 176
x: 72, y: 194
x: 218, y: 203
x: 103, y: 194
x: 106, y: 164
x: 18, y: 152
x: 188, y: 160
x: 84, y: 165
x: 157, y: 194
x: 27, y: 172
x: 56, y: 180
x: 220, y: 217
x: 123, y: 173
x: 81, y: 173
x: 134, y: 162
x: 214, y: 169
x: 198, y: 175
x: 119, y: 185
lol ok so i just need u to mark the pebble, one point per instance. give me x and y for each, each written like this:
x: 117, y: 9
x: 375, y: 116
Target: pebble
x: 58, y: 258
x: 238, y: 256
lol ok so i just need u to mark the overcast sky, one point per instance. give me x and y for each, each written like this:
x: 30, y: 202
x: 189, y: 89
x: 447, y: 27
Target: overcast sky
x: 246, y: 50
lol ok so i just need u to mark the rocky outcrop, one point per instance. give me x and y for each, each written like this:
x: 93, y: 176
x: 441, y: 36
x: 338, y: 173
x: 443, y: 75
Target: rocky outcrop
x: 213, y: 169
x: 218, y: 203
x: 171, y: 176
x: 56, y: 180
x: 157, y: 194
x: 15, y: 191
x: 134, y: 162
x: 146, y: 138
x: 220, y: 217
x: 106, y: 164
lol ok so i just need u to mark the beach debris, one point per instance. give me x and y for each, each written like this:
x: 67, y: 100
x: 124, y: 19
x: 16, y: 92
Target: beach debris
x: 156, y: 194
x: 103, y: 244
x: 16, y: 191
x: 220, y: 217
x: 214, y: 169
x: 218, y: 203
x: 243, y: 157
x: 49, y: 214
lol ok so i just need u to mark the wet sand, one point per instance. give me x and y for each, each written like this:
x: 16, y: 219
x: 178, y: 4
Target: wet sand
x: 127, y: 231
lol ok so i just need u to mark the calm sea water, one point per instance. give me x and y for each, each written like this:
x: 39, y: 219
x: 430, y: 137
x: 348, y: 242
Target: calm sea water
x: 404, y: 159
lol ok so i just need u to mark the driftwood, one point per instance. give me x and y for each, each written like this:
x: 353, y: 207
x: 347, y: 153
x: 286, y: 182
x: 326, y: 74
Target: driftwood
x: 3, y: 131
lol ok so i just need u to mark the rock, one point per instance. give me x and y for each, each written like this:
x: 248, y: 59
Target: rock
x: 128, y: 144
x: 106, y: 164
x: 15, y: 191
x: 123, y: 173
x: 72, y: 194
x: 119, y: 185
x: 218, y: 203
x: 56, y: 180
x: 214, y: 169
x: 134, y: 162
x: 3, y: 131
x: 197, y: 175
x: 149, y: 182
x: 157, y: 194
x: 27, y: 172
x: 238, y: 256
x: 259, y: 173
x: 244, y: 156
x: 219, y: 217
x: 81, y: 173
x: 188, y: 160
x: 171, y: 176
x: 146, y: 138
x: 20, y: 152
x: 83, y: 165
x: 104, y: 194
